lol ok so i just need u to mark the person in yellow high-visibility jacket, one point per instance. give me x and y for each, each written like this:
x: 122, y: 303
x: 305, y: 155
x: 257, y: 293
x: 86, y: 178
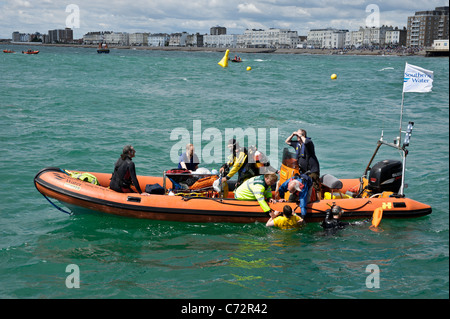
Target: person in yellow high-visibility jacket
x: 238, y: 162
x: 258, y: 188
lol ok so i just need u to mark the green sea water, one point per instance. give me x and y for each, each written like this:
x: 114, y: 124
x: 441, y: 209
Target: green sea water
x: 76, y: 109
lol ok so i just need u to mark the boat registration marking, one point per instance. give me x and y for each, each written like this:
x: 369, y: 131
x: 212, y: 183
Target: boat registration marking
x: 72, y: 186
x: 387, y: 205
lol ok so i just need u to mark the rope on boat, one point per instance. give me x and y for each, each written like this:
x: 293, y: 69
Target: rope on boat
x: 353, y: 209
x: 57, y: 207
x: 346, y: 209
x: 186, y: 198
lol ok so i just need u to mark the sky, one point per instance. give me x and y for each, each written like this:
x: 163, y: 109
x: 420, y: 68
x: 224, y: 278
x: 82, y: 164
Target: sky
x: 192, y: 16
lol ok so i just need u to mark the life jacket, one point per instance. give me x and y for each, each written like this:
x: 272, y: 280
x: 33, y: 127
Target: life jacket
x: 204, y: 182
x: 86, y: 177
x: 248, y: 169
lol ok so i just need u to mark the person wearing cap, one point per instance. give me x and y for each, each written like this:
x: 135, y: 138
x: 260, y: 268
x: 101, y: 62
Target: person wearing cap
x: 285, y: 220
x: 237, y: 163
x: 331, y: 221
x: 124, y: 174
x: 258, y: 188
x: 299, y: 187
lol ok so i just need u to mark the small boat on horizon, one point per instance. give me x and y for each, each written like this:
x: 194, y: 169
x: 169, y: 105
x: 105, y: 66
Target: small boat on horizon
x: 102, y: 48
x: 30, y: 52
x: 8, y: 51
x: 236, y: 59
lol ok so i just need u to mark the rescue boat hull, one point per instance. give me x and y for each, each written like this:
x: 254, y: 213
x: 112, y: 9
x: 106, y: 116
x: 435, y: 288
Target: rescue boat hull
x: 80, y: 196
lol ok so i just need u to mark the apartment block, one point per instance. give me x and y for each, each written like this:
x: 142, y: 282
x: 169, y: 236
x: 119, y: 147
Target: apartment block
x: 60, y: 36
x: 426, y: 26
x: 217, y: 30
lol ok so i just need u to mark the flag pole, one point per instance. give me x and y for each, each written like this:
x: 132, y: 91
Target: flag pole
x: 399, y: 138
x: 402, y: 186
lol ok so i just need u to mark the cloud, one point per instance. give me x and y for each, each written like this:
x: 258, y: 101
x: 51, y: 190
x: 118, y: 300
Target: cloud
x: 248, y: 8
x: 199, y: 15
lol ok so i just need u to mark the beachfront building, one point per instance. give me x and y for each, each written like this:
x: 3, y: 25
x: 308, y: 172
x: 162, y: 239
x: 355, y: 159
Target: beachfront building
x: 178, y: 39
x: 96, y: 37
x: 21, y: 37
x: 116, y: 38
x: 60, y: 36
x: 158, y: 40
x: 16, y: 36
x: 395, y: 37
x: 93, y: 38
x: 194, y: 40
x: 271, y: 38
x: 217, y: 30
x: 369, y: 37
x: 109, y: 37
x: 440, y: 45
x: 354, y: 39
x: 328, y: 38
x: 302, y: 42
x: 220, y: 41
x: 426, y: 26
x: 138, y: 39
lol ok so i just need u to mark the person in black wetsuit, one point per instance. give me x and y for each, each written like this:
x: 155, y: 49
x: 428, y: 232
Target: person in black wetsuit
x: 124, y: 174
x: 331, y: 221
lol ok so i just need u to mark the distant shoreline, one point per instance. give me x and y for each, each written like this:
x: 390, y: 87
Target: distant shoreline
x: 236, y: 50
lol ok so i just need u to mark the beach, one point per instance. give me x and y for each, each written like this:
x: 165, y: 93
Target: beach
x: 394, y: 52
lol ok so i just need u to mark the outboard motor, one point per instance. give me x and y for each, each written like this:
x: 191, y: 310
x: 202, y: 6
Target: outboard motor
x: 385, y: 176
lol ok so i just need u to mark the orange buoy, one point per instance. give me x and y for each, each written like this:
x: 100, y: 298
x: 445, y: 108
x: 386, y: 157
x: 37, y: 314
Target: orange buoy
x: 376, y: 217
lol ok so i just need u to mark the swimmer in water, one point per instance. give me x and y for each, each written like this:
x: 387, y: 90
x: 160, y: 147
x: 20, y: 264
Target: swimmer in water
x: 332, y: 221
x: 332, y: 217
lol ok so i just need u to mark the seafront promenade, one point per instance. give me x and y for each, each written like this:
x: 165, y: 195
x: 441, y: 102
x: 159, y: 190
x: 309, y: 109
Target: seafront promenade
x: 399, y: 52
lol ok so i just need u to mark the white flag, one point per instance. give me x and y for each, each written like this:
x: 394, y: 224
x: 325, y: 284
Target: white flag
x: 417, y: 79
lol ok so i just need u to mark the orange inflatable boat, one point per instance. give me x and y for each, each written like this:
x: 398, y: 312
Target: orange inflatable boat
x: 356, y: 199
x: 30, y: 52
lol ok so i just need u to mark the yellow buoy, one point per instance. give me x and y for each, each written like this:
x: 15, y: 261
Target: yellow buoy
x: 249, y: 68
x: 224, y: 62
x: 333, y: 76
